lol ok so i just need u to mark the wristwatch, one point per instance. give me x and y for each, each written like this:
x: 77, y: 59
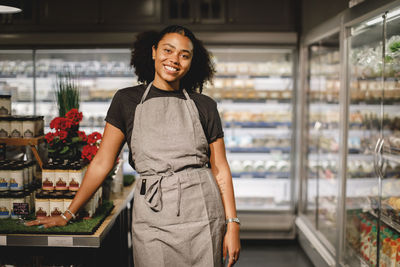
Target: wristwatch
x: 236, y: 220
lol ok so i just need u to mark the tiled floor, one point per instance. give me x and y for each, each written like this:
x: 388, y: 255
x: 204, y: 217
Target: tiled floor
x: 272, y: 253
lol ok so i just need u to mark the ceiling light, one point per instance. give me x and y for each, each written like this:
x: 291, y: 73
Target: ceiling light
x: 9, y: 9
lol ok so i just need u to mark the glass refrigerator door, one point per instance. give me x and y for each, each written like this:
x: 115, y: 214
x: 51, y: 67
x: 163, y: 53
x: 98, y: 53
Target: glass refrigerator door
x: 388, y: 152
x: 253, y: 88
x: 371, y: 230
x: 323, y: 139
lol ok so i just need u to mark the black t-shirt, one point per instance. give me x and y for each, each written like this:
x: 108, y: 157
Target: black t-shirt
x: 123, y: 105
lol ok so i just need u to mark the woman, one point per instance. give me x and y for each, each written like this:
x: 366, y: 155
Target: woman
x: 184, y: 212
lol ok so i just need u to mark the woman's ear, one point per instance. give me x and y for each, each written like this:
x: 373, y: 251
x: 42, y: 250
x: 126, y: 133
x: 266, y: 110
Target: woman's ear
x: 153, y: 52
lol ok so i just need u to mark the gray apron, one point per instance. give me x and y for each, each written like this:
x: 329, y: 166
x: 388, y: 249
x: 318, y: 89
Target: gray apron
x: 178, y: 215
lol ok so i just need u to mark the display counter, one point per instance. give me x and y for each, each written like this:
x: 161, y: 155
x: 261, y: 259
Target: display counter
x: 114, y: 233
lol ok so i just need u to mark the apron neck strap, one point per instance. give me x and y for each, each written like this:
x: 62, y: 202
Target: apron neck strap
x: 146, y: 92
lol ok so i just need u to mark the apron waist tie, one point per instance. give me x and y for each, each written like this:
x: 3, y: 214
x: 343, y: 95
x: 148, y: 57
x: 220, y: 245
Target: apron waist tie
x: 153, y: 195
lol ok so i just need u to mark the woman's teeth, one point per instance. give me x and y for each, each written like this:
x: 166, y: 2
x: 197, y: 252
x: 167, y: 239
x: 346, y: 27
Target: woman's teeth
x: 170, y: 68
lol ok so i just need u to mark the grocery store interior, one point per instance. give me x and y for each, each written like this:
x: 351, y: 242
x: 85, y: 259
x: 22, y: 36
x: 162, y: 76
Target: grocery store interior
x: 308, y: 93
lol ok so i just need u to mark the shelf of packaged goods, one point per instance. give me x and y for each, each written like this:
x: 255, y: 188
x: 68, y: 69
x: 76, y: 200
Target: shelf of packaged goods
x: 269, y: 150
x: 278, y: 132
x: 392, y: 109
x: 261, y: 174
x: 257, y: 104
x: 257, y: 156
x: 120, y: 202
x: 392, y: 157
x: 335, y: 156
x: 352, y: 132
x: 388, y: 221
x: 32, y: 142
x: 351, y: 151
x: 251, y: 124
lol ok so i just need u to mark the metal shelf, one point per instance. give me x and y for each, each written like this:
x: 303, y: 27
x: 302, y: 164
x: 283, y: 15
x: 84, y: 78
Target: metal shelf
x: 387, y: 221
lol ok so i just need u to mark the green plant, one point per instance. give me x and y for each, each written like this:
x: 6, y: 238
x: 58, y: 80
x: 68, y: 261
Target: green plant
x: 67, y: 93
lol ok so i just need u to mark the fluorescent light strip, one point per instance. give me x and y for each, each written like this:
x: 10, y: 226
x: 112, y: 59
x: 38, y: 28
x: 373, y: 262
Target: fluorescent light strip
x: 379, y: 19
x: 9, y: 9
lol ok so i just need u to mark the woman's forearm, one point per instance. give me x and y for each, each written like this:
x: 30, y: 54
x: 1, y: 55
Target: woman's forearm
x: 94, y: 177
x: 223, y: 177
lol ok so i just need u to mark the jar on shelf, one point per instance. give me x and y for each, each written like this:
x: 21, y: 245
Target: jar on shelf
x: 5, y: 105
x: 5, y: 127
x: 48, y: 177
x: 39, y: 125
x: 16, y: 197
x: 29, y: 198
x: 28, y: 127
x: 56, y: 205
x: 29, y: 167
x: 25, y: 173
x: 75, y: 176
x: 16, y: 177
x: 4, y: 178
x: 42, y: 205
x: 16, y: 127
x: 5, y: 210
x: 61, y: 178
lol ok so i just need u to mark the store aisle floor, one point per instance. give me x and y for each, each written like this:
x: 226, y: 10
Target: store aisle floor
x: 272, y: 253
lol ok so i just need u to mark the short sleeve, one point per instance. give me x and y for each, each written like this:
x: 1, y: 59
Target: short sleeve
x: 115, y: 116
x: 214, y: 125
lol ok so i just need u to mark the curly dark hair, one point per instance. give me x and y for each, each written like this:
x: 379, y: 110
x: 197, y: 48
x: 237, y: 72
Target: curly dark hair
x: 201, y: 70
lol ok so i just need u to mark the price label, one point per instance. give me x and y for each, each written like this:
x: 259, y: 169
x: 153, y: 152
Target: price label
x: 21, y: 208
x: 60, y: 241
x: 3, y: 240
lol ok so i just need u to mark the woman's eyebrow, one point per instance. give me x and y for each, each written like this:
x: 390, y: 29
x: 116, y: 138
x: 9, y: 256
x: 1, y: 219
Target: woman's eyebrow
x: 172, y: 46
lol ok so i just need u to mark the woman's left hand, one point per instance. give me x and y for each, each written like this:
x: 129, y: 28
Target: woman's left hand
x: 232, y: 243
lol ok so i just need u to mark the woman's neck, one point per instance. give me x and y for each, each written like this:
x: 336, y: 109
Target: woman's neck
x: 164, y: 85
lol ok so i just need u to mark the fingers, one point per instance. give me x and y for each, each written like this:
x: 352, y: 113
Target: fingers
x: 224, y: 250
x: 233, y: 259
x: 45, y: 222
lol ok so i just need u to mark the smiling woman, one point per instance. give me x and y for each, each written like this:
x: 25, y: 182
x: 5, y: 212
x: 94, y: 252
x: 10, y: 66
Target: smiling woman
x: 184, y: 211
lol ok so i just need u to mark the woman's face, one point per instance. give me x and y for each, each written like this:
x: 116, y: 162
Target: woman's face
x: 172, y: 59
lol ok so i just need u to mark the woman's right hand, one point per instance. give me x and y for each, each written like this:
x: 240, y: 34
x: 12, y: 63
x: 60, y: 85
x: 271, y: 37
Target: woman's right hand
x: 48, y: 222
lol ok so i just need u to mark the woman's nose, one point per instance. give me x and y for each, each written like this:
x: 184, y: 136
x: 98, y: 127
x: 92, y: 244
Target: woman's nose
x: 174, y: 58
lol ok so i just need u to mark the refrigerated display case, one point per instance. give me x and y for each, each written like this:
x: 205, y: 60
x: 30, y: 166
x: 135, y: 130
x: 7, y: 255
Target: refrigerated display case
x: 253, y: 87
x: 361, y: 145
x: 372, y: 218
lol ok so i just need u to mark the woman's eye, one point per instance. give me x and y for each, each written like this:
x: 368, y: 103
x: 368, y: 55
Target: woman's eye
x: 167, y: 50
x: 185, y: 56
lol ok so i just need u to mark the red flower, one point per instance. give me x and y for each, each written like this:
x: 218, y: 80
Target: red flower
x: 65, y: 124
x: 54, y: 123
x: 88, y: 152
x: 82, y: 135
x: 74, y: 115
x: 49, y: 137
x: 94, y: 137
x: 60, y: 123
x: 62, y: 134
